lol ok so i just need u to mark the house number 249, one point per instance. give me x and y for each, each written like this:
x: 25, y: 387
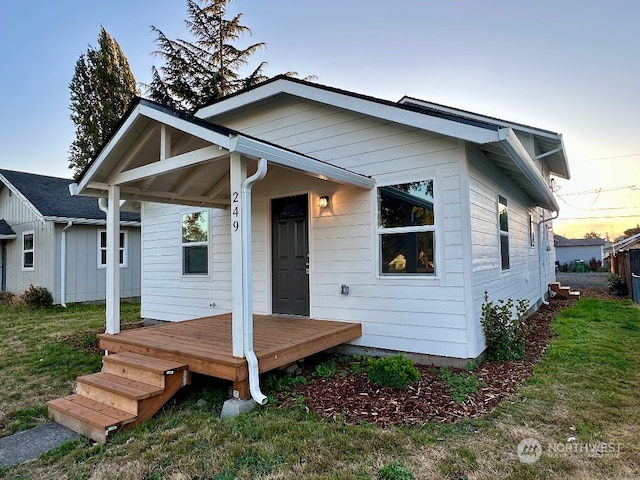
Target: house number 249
x: 235, y: 212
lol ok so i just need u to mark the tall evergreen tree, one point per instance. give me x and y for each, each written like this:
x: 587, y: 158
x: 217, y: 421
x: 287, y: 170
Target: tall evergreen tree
x: 101, y: 89
x: 197, y: 73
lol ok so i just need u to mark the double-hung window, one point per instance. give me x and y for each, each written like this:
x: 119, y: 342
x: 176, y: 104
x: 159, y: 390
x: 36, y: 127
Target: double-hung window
x: 406, y: 229
x: 28, y: 250
x: 102, y: 249
x: 503, y: 220
x: 195, y: 243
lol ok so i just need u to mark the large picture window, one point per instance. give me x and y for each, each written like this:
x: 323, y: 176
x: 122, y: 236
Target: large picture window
x: 28, y: 251
x: 195, y: 243
x: 503, y: 220
x: 406, y: 229
x: 102, y: 249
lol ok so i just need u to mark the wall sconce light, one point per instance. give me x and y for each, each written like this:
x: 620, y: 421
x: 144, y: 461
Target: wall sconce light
x: 324, y: 201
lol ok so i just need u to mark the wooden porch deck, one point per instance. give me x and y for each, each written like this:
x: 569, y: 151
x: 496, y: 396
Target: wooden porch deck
x: 204, y: 344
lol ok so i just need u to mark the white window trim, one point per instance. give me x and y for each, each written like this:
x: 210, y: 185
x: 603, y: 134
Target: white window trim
x: 195, y: 244
x: 503, y: 233
x: 410, y: 229
x: 125, y: 250
x: 32, y: 251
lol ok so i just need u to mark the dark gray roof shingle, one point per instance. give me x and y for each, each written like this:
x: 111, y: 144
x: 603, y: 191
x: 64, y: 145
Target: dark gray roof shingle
x: 51, y: 197
x: 561, y: 241
x: 5, y: 229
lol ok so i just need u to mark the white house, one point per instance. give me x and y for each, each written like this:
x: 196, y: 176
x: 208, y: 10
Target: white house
x: 398, y: 216
x: 50, y: 239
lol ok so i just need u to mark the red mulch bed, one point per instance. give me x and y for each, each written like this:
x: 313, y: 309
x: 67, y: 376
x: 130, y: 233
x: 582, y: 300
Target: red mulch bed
x: 353, y: 399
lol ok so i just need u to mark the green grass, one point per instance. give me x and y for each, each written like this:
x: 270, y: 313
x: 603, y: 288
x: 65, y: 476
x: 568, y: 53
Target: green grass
x: 585, y: 386
x: 42, y: 352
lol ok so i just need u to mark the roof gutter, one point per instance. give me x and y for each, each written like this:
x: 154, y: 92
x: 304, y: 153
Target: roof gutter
x: 516, y: 151
x: 247, y: 282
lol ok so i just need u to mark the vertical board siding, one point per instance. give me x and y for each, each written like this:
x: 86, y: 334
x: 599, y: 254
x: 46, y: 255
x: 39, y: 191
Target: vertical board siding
x: 424, y: 314
x: 22, y: 219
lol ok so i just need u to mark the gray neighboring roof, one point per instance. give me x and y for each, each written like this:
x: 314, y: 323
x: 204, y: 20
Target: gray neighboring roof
x: 50, y: 196
x: 624, y: 244
x: 561, y: 241
x: 6, y: 232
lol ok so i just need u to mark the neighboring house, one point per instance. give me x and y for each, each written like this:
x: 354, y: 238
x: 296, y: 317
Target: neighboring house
x: 629, y: 243
x: 398, y: 216
x: 51, y: 239
x: 570, y: 249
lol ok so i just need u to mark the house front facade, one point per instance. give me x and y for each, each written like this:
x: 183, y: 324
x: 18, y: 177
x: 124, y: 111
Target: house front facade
x: 58, y: 242
x: 398, y: 216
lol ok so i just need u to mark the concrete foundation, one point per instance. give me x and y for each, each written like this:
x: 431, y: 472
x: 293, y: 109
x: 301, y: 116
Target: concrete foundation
x: 234, y: 407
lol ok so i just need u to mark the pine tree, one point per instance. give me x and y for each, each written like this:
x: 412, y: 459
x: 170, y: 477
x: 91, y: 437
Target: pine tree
x: 101, y: 90
x: 197, y: 73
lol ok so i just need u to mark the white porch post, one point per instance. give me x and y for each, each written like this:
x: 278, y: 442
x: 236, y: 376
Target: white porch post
x: 113, y: 260
x: 237, y: 175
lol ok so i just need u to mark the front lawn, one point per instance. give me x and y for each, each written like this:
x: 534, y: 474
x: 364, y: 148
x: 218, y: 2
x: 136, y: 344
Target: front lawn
x: 580, y: 406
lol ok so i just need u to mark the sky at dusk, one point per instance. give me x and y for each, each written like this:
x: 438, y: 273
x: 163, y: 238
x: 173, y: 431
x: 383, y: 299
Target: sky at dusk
x: 572, y: 67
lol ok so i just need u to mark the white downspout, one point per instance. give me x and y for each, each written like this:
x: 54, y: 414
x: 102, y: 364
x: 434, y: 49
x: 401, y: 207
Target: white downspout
x: 543, y: 282
x: 247, y: 282
x: 63, y: 264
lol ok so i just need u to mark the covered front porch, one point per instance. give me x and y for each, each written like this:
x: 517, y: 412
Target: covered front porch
x: 204, y: 344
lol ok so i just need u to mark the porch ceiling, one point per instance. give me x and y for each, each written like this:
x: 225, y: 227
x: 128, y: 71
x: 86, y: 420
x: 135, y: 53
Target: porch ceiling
x: 162, y: 155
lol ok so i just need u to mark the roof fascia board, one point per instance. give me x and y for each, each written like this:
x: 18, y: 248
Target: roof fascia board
x: 8, y: 237
x: 476, y: 116
x: 185, y: 126
x: 75, y: 189
x: 356, y: 104
x: 516, y: 151
x: 21, y: 197
x: 90, y: 221
x: 316, y: 168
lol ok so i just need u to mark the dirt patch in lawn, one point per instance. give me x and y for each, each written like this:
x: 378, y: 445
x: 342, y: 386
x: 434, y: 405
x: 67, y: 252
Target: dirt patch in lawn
x: 350, y: 396
x: 88, y: 341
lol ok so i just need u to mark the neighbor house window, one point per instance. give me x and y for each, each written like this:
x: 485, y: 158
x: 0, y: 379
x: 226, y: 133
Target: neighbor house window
x: 195, y: 243
x: 406, y: 229
x: 102, y: 249
x: 28, y: 251
x: 503, y: 220
x: 532, y: 232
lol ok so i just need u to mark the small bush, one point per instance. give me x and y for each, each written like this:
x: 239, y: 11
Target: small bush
x: 503, y: 333
x: 394, y: 471
x: 617, y: 285
x: 395, y: 371
x: 563, y: 267
x: 594, y: 265
x: 37, y: 297
x: 6, y: 298
x: 326, y: 370
x: 460, y: 385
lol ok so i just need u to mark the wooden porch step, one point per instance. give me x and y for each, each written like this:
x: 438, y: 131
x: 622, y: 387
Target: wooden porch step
x: 563, y: 291
x: 88, y: 417
x: 142, y: 368
x: 130, y: 389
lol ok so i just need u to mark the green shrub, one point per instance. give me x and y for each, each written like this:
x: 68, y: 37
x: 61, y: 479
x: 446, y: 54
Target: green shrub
x: 594, y: 264
x: 395, y: 371
x: 37, y: 297
x: 326, y: 370
x: 504, y: 333
x: 394, y: 471
x: 460, y: 385
x: 617, y: 285
x: 6, y: 298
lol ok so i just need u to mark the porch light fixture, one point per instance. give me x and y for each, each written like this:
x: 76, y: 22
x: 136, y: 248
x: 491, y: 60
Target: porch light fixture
x: 324, y: 201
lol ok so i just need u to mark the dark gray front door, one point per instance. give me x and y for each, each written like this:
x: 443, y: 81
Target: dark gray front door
x: 290, y: 256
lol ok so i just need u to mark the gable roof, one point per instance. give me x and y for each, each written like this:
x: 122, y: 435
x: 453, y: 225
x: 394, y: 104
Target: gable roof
x: 624, y: 243
x: 561, y: 241
x: 6, y: 232
x: 49, y: 198
x: 496, y: 138
x: 130, y: 159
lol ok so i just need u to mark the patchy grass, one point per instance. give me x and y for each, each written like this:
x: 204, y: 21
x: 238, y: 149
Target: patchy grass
x: 584, y: 387
x: 42, y: 352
